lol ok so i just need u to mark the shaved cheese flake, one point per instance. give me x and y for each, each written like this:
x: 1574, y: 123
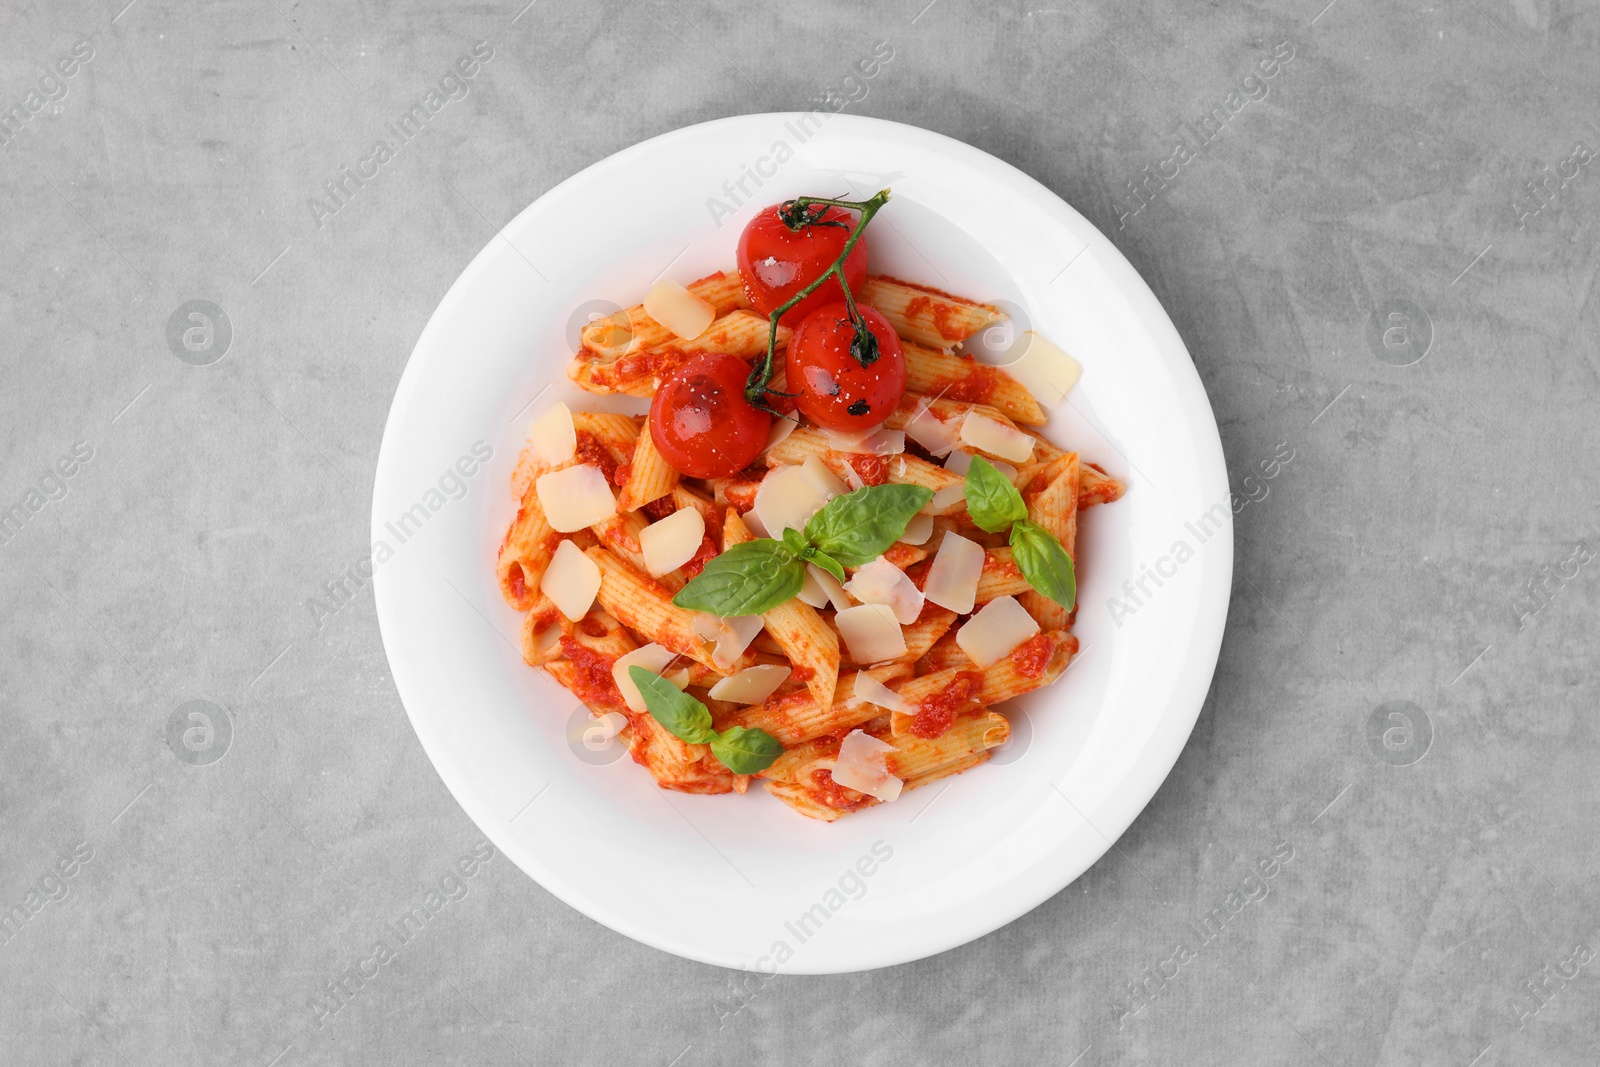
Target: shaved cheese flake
x: 930, y: 431
x: 918, y: 530
x: 811, y: 591
x: 878, y: 441
x: 751, y: 685
x: 947, y: 499
x: 552, y: 436
x: 731, y: 636
x: 678, y: 309
x: 753, y: 523
x: 873, y: 691
x: 651, y: 657
x: 781, y: 429
x: 574, y: 498
x: 862, y: 765
x: 872, y: 633
x: 787, y: 498
x: 830, y: 587
x: 996, y: 438
x: 571, y: 581
x: 853, y: 477
x: 881, y: 582
x: 958, y: 462
x: 1043, y: 368
x: 991, y: 634
x: 952, y: 580
x: 824, y: 480
x: 1004, y: 468
x: 673, y: 541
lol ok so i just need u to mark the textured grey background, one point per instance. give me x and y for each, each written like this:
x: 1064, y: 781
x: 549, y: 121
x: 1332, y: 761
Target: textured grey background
x: 1429, y: 910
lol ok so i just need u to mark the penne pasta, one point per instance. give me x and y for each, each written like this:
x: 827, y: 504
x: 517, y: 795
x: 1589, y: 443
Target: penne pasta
x: 926, y: 315
x: 1097, y: 487
x: 525, y: 553
x: 738, y: 333
x: 797, y: 717
x: 631, y: 330
x: 646, y: 607
x: 872, y: 470
x: 811, y: 644
x: 946, y: 376
x: 648, y: 476
x: 1001, y: 577
x: 1055, y: 507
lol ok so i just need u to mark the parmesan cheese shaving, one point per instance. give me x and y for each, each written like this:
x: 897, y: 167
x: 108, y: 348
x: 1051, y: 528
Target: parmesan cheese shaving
x: 918, y: 530
x: 996, y: 438
x: 811, y: 591
x: 881, y: 582
x: 1043, y: 368
x: 952, y: 580
x: 958, y: 462
x: 991, y: 634
x: 678, y: 309
x: 731, y: 635
x: 871, y: 633
x: 947, y: 499
x: 789, y: 495
x: 552, y: 436
x: 873, y: 691
x: 830, y: 587
x: 673, y: 541
x: 574, y: 498
x: 929, y: 431
x: 598, y: 733
x: 751, y: 685
x: 878, y: 441
x: 571, y: 581
x: 862, y: 765
x: 651, y: 657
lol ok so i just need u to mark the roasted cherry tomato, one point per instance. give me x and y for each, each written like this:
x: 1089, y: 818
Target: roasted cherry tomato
x: 834, y: 389
x: 776, y: 262
x: 701, y: 422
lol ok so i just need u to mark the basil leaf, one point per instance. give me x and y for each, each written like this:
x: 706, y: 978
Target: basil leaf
x: 747, y: 579
x: 992, y: 501
x: 795, y: 541
x: 746, y: 751
x: 684, y: 717
x: 857, y: 528
x: 1042, y: 560
x: 829, y: 564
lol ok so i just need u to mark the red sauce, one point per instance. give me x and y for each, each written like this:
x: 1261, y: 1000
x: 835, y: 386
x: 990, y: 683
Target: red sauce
x: 1032, y: 656
x: 977, y: 386
x: 1000, y: 566
x: 944, y: 316
x: 701, y: 557
x: 518, y: 581
x: 660, y: 507
x: 903, y: 555
x: 937, y: 712
x: 874, y: 470
x: 592, y: 682
x: 741, y: 495
x: 621, y: 475
x: 593, y: 627
x: 590, y: 450
x: 802, y: 674
x: 836, y: 796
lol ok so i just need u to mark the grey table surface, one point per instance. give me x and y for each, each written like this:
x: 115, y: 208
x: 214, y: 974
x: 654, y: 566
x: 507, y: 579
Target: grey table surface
x: 1382, y: 256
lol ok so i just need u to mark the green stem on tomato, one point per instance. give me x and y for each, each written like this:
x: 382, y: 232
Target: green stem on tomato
x: 864, y: 348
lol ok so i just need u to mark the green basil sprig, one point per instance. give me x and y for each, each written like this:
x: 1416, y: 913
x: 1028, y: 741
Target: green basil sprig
x: 738, y: 748
x: 994, y: 503
x: 850, y: 531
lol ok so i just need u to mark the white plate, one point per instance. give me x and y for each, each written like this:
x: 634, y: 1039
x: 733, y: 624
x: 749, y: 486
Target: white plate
x: 728, y: 880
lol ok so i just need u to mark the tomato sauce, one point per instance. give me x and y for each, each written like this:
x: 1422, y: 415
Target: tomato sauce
x: 1032, y: 656
x: 592, y: 681
x: 701, y: 557
x: 660, y: 507
x: 621, y: 475
x: 977, y: 387
x: 590, y: 450
x: 518, y: 581
x: 1000, y: 566
x: 836, y: 796
x: 874, y: 470
x: 593, y: 627
x: 936, y: 713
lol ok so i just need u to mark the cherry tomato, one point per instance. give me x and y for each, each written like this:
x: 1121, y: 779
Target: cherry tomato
x: 776, y: 262
x: 701, y: 422
x: 834, y: 389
